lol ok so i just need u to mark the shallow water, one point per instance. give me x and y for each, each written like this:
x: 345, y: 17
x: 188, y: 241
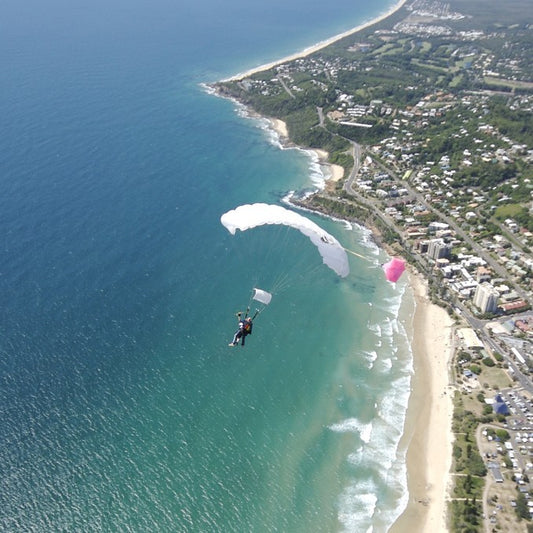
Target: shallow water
x: 123, y: 407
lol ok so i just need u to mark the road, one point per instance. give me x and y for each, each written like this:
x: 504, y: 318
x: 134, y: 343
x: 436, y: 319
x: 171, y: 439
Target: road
x: 284, y: 85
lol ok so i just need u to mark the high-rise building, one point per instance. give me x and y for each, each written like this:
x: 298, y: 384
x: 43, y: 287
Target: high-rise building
x: 486, y: 298
x: 438, y: 249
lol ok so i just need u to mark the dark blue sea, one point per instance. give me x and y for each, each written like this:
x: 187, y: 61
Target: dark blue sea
x: 122, y: 406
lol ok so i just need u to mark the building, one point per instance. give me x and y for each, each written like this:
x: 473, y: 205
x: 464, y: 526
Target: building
x: 496, y: 472
x: 486, y: 298
x: 483, y: 274
x: 422, y: 246
x: 470, y: 339
x: 433, y: 227
x: 437, y: 249
x: 499, y: 406
x: 514, y: 307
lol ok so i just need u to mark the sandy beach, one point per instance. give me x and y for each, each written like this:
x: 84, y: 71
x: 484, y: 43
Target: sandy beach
x: 318, y: 46
x: 428, y: 433
x: 280, y: 128
x: 336, y: 171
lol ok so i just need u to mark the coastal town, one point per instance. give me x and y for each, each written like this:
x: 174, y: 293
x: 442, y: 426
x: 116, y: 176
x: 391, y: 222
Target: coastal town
x: 428, y: 116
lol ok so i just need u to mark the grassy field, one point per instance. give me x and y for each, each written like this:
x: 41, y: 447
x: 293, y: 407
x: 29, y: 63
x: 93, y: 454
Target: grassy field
x: 507, y: 211
x: 508, y: 83
x: 493, y: 14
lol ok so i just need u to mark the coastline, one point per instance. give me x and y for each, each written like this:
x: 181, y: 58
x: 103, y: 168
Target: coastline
x: 318, y: 46
x: 428, y: 437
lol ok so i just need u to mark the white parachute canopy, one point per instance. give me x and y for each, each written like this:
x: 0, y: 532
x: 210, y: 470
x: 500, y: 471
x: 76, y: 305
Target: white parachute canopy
x: 250, y: 216
x: 262, y: 296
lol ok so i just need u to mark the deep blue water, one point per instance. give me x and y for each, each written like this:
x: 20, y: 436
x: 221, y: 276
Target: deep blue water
x: 123, y: 409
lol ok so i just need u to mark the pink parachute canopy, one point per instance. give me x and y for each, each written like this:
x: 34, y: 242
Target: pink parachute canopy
x: 394, y: 269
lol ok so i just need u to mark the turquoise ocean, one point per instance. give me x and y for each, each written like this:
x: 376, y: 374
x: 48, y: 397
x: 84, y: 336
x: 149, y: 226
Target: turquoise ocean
x: 122, y: 406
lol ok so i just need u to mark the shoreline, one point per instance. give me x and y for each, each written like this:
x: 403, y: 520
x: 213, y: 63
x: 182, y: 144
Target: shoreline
x: 318, y: 46
x: 336, y: 171
x: 427, y: 437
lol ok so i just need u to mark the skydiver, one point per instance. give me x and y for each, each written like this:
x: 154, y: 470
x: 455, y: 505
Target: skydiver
x: 245, y: 328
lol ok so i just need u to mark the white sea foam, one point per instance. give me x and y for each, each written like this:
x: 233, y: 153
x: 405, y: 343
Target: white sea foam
x: 365, y: 433
x: 353, y: 425
x: 357, y: 505
x: 318, y: 173
x: 378, y: 494
x: 376, y: 328
x: 348, y: 225
x: 386, y: 364
x: 272, y: 135
x: 371, y: 356
x: 366, y: 239
x: 355, y: 457
x: 386, y: 327
x: 391, y: 409
x: 383, y: 496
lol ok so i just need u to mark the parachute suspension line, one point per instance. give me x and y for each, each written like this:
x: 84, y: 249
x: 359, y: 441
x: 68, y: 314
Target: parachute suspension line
x: 276, y: 251
x: 281, y: 283
x: 299, y: 264
x: 249, y: 303
x: 305, y: 275
x: 356, y: 254
x: 285, y: 277
x: 299, y: 267
x: 279, y: 242
x: 262, y: 298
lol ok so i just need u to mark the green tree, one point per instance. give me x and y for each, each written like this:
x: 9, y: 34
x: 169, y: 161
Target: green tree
x: 503, y: 434
x: 521, y: 508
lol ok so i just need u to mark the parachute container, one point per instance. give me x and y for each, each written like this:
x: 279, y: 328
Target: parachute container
x: 262, y: 296
x: 250, y: 216
x: 394, y: 269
